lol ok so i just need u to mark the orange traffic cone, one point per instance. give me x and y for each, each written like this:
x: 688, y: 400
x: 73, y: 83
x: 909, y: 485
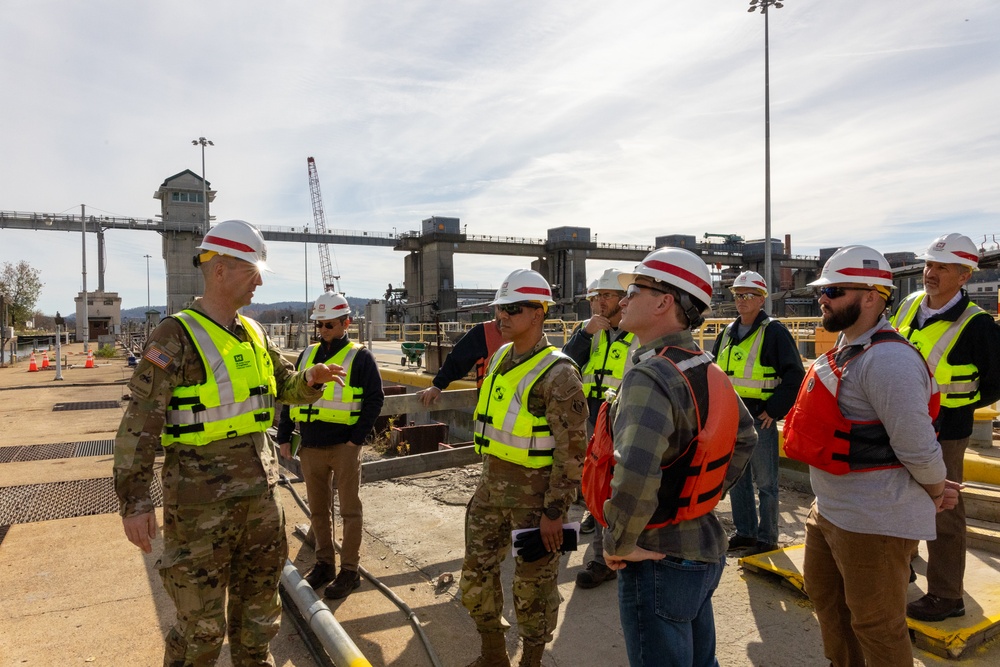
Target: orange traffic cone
x: 90, y: 359
x: 45, y: 359
x: 32, y: 366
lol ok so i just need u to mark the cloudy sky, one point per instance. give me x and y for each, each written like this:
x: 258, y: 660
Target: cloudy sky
x: 634, y: 119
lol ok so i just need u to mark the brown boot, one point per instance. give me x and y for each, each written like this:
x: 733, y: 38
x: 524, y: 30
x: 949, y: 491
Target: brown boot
x: 494, y: 653
x: 531, y: 655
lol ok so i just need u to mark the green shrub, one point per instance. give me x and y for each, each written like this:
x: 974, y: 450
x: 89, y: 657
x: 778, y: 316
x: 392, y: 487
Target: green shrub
x: 106, y: 352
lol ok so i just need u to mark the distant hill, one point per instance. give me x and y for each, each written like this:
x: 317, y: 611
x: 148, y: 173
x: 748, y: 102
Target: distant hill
x: 265, y: 312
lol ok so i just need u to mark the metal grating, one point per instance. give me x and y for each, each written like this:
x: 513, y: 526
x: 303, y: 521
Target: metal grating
x: 86, y: 405
x: 63, y: 500
x: 95, y: 448
x: 57, y: 450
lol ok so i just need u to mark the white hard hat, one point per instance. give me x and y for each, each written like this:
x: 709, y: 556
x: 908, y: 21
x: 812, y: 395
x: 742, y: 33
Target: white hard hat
x: 751, y: 280
x: 592, y: 289
x: 856, y: 264
x: 953, y: 249
x: 237, y: 238
x: 524, y: 285
x: 681, y: 269
x: 609, y: 280
x: 330, y: 306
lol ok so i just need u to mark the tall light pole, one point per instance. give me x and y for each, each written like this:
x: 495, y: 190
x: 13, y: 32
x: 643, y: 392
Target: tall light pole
x: 763, y: 5
x: 202, y: 141
x: 148, y: 306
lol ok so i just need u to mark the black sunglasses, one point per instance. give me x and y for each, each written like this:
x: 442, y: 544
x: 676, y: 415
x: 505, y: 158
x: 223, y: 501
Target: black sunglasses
x: 837, y: 292
x: 328, y: 324
x: 515, y: 308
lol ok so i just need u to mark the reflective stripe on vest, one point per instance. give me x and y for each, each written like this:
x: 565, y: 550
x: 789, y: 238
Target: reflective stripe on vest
x: 817, y: 432
x: 237, y: 397
x: 760, y: 381
x: 607, y: 364
x: 959, y: 385
x: 504, y: 426
x: 339, y: 405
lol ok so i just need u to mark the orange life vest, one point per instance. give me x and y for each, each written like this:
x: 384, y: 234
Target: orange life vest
x: 817, y: 432
x: 494, y: 339
x: 691, y: 485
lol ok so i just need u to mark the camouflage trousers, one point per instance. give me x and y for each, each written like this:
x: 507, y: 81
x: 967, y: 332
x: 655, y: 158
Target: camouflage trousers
x: 236, y: 546
x: 487, y: 543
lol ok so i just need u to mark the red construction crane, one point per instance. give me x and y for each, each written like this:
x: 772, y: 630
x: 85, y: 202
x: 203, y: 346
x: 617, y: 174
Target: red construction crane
x: 319, y: 220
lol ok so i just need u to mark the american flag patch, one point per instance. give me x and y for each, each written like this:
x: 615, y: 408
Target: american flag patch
x: 157, y: 357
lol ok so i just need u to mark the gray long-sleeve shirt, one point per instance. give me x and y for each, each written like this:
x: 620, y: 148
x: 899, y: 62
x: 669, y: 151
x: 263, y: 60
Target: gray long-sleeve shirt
x: 888, y: 383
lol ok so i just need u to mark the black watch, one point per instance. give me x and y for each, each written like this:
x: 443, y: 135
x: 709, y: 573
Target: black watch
x: 553, y: 512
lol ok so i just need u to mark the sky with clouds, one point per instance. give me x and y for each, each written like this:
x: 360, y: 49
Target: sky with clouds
x: 634, y: 119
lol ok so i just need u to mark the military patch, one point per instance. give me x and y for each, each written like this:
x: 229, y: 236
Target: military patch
x: 156, y: 356
x: 141, y: 384
x: 578, y: 407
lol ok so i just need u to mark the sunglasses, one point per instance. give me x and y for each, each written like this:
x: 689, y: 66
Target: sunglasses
x: 837, y: 292
x: 329, y: 324
x: 634, y: 289
x: 746, y: 296
x: 515, y: 308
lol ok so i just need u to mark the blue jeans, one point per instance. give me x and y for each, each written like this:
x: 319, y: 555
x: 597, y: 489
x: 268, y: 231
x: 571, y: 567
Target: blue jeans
x: 762, y: 472
x: 666, y: 612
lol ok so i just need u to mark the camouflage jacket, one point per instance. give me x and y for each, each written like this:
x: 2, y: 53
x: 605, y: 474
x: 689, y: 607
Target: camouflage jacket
x: 241, y: 466
x: 558, y: 395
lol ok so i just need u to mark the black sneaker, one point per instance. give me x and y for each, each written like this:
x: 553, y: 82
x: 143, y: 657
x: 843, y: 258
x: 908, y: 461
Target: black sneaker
x: 738, y: 541
x: 595, y: 575
x: 588, y: 525
x: 343, y: 585
x: 763, y: 547
x: 931, y: 608
x: 322, y: 573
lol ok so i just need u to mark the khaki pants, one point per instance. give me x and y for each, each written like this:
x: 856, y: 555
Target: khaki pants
x: 857, y: 583
x: 321, y: 468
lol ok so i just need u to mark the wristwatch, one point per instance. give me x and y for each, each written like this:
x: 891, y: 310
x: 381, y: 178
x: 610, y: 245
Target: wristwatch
x: 553, y: 512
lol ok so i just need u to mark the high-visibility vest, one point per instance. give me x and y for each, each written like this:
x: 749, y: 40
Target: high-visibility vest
x: 959, y: 385
x: 494, y: 340
x: 692, y: 484
x: 817, y: 432
x: 339, y: 405
x: 741, y: 362
x: 238, y: 395
x: 504, y: 427
x: 607, y: 363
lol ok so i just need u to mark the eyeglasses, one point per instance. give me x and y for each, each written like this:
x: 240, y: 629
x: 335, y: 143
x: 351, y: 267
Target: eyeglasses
x: 835, y: 292
x: 634, y: 288
x: 329, y: 324
x: 515, y: 308
x: 746, y: 296
x: 608, y: 296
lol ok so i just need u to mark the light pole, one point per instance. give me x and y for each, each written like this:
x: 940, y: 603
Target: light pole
x: 148, y: 306
x: 202, y: 141
x: 763, y: 5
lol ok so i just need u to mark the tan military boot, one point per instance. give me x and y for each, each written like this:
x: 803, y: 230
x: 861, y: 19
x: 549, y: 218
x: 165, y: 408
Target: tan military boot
x: 494, y: 653
x: 531, y: 655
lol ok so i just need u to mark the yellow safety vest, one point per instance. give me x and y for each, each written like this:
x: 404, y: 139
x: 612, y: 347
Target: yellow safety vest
x: 959, y: 385
x: 741, y: 362
x: 607, y: 364
x: 340, y: 405
x: 237, y: 397
x: 504, y: 427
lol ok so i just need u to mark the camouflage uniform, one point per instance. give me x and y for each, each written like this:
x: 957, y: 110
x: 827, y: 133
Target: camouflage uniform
x: 510, y: 496
x: 223, y: 525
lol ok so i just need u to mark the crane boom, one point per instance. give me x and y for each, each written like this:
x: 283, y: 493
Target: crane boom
x: 319, y: 221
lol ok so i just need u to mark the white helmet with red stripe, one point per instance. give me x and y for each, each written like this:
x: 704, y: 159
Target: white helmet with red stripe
x: 237, y: 238
x: 330, y: 306
x: 856, y: 264
x: 524, y: 285
x: 681, y: 269
x: 751, y: 280
x: 953, y: 249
